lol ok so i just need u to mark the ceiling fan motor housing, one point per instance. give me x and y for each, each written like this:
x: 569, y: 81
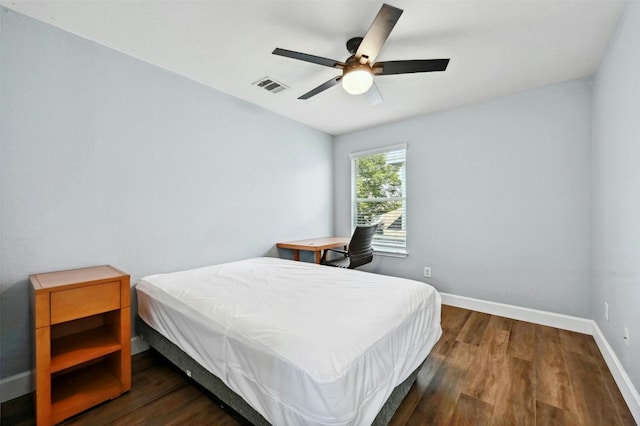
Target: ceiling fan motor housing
x: 353, y: 44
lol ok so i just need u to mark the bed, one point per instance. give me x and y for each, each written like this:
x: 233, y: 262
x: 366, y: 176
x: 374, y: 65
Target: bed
x: 293, y: 343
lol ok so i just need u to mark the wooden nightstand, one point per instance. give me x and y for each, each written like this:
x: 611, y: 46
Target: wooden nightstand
x: 82, y: 340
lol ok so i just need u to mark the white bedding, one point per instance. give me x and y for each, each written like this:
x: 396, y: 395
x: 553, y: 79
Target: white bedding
x: 303, y: 344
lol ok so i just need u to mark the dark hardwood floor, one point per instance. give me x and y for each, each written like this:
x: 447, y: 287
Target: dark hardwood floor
x: 485, y: 370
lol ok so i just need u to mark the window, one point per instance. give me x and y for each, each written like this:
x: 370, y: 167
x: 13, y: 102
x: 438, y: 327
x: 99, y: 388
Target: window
x: 378, y: 194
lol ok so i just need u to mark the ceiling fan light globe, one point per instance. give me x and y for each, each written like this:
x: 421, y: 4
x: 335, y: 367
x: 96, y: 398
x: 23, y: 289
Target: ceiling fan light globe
x: 357, y: 81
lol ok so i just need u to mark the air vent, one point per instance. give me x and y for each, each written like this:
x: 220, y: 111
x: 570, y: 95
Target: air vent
x: 270, y: 85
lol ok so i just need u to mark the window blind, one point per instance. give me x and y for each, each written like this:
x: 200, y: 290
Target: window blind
x: 378, y: 195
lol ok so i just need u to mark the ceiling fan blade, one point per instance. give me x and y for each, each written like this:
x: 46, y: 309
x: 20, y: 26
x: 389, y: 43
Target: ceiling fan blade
x: 378, y: 33
x: 322, y: 87
x: 407, y: 67
x: 309, y: 58
x: 373, y: 95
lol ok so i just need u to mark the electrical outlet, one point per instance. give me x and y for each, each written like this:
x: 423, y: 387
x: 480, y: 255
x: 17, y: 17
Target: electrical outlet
x: 626, y: 336
x: 427, y: 272
x: 606, y: 311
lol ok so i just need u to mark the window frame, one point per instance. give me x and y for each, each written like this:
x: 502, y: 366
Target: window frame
x: 395, y: 250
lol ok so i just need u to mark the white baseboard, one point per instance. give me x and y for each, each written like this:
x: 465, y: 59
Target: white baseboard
x: 138, y: 345
x: 564, y: 322
x: 21, y: 384
x: 15, y: 386
x: 629, y: 392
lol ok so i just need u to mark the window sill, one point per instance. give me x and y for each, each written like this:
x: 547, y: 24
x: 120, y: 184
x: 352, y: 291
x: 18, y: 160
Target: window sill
x: 388, y: 252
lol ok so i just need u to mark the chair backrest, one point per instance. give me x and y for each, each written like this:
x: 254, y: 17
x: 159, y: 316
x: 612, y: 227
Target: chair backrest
x: 360, y: 249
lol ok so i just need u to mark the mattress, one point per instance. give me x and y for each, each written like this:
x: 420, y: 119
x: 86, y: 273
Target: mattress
x: 302, y: 343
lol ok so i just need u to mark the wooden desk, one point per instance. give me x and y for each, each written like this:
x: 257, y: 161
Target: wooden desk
x: 314, y: 244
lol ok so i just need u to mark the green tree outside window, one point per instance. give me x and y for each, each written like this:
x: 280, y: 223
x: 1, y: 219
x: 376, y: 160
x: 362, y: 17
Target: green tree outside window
x: 378, y: 183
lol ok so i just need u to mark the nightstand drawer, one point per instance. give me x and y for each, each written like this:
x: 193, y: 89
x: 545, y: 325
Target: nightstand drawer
x: 67, y: 305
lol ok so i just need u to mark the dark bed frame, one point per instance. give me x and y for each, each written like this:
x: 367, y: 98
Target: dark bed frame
x: 213, y: 384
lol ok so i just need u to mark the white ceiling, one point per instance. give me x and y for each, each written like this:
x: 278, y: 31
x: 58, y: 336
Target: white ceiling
x: 496, y: 47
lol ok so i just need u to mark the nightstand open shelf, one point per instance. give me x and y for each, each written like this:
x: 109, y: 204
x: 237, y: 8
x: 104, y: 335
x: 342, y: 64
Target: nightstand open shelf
x: 82, y: 340
x: 80, y: 389
x: 75, y: 349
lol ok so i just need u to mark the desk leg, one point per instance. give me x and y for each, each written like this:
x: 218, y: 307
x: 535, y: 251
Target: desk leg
x: 296, y: 254
x: 318, y: 256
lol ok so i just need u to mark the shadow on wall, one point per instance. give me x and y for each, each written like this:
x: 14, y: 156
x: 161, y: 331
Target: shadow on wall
x: 15, y: 329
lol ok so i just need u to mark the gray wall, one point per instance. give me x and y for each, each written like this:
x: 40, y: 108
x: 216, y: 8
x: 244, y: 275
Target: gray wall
x: 497, y: 196
x: 105, y: 159
x: 616, y: 191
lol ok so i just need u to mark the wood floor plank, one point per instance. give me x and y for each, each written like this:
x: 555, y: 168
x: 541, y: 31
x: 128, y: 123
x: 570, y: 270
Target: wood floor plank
x: 453, y: 319
x: 548, y: 415
x: 201, y: 411
x: 515, y: 398
x: 474, y: 328
x: 18, y: 412
x: 152, y: 383
x: 441, y: 396
x: 620, y: 404
x: 425, y: 375
x: 522, y: 340
x: 470, y: 411
x: 579, y: 343
x: 500, y: 323
x: 488, y: 366
x: 175, y: 408
x: 552, y: 379
x: 593, y: 403
x: 445, y: 343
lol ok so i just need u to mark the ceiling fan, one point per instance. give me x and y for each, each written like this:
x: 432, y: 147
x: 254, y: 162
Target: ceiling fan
x: 358, y: 70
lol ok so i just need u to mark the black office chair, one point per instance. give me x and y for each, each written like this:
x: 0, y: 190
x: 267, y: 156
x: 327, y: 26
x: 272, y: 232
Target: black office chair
x: 359, y: 252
